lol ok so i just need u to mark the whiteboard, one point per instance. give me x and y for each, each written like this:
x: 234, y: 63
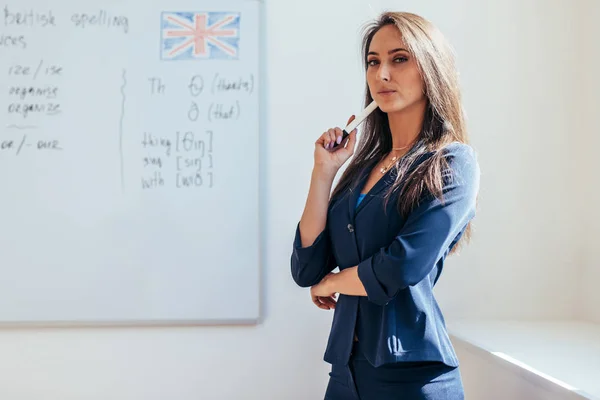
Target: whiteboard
x: 129, y: 161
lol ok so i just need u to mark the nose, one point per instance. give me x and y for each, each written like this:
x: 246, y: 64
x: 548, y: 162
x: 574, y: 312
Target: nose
x: 383, y: 73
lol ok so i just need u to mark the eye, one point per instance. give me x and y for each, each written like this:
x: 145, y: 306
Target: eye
x: 371, y: 62
x: 400, y: 59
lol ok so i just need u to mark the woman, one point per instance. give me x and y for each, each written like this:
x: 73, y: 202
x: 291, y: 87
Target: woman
x: 401, y: 207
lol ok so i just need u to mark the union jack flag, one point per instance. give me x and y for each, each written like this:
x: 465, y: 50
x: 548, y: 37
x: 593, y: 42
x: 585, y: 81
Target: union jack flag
x: 200, y: 35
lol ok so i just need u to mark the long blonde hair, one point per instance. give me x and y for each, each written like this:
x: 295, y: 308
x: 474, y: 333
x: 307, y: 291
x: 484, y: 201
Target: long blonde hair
x: 443, y: 121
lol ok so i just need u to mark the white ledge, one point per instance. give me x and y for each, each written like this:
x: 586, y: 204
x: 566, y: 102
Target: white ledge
x: 564, y: 353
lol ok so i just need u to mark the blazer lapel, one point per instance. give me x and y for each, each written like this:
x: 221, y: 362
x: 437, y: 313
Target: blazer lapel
x: 355, y: 193
x: 382, y: 184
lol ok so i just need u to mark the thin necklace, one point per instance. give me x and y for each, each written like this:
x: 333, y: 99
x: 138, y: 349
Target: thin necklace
x: 387, y: 167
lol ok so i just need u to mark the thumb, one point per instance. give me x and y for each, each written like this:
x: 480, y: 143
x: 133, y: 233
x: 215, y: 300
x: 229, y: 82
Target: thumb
x: 351, y: 141
x: 352, y: 135
x: 352, y: 118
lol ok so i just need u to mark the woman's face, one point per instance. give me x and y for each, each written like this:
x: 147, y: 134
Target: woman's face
x: 392, y: 74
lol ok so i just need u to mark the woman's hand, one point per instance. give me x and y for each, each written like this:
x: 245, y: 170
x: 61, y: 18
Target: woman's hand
x: 322, y: 296
x: 329, y: 158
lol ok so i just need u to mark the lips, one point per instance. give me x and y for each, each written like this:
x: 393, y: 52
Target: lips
x: 386, y: 92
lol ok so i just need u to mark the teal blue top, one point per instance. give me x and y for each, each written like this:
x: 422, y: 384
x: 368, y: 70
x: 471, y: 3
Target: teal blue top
x: 362, y: 196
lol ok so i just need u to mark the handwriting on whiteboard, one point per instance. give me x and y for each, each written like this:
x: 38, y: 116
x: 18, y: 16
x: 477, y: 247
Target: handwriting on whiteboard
x: 77, y: 94
x: 24, y: 18
x: 189, y: 156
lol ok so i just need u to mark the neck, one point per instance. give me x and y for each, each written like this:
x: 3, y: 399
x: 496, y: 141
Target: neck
x: 406, y: 125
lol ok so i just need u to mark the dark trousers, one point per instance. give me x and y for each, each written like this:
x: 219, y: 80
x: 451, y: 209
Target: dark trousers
x: 359, y: 380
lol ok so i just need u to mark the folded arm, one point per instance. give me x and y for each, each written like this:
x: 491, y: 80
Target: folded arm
x: 426, y: 235
x: 312, y: 258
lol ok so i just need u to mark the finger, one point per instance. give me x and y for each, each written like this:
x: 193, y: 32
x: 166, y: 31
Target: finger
x: 338, y: 135
x: 328, y: 301
x: 324, y: 139
x: 330, y: 298
x: 352, y: 118
x: 318, y: 303
x: 329, y: 138
x: 351, y: 141
x: 332, y: 137
x: 320, y: 139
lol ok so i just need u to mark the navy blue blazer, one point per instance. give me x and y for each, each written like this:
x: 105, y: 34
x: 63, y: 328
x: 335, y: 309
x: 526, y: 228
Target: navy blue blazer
x: 399, y: 262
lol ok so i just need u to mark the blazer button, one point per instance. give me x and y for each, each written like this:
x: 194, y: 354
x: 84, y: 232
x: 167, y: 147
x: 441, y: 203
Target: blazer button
x: 350, y: 228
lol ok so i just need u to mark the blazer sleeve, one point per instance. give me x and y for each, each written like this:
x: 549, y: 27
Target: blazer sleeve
x: 310, y: 264
x: 426, y: 235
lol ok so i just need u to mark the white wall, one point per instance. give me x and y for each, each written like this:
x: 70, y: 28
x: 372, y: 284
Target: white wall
x: 523, y: 261
x: 487, y: 376
x: 510, y: 59
x: 589, y: 142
